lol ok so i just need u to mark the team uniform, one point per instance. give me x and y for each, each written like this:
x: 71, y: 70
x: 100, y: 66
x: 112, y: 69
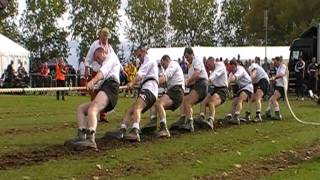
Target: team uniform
x: 281, y: 83
x: 175, y: 83
x: 219, y: 81
x: 243, y: 82
x: 262, y: 80
x: 148, y: 91
x: 111, y: 69
x: 201, y: 85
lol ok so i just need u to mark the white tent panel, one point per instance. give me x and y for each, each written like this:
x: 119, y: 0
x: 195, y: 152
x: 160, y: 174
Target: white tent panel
x: 11, y: 51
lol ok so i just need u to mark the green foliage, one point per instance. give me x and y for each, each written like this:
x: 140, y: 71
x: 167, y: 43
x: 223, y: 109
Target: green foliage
x: 89, y: 16
x: 231, y: 24
x: 193, y: 22
x: 242, y: 21
x: 41, y: 34
x: 148, y: 19
x: 7, y: 25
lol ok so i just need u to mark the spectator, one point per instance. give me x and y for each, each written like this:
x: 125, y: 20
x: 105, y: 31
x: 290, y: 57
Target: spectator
x: 60, y: 76
x: 312, y: 76
x: 299, y: 69
x: 44, y: 75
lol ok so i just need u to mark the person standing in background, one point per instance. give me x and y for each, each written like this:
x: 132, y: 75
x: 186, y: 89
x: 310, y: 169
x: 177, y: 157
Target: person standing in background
x: 60, y: 76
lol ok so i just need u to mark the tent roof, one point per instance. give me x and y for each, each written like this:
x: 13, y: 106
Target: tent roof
x: 245, y: 53
x: 10, y: 48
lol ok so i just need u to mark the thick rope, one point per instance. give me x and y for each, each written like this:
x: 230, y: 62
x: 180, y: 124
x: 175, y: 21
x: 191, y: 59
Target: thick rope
x: 19, y: 90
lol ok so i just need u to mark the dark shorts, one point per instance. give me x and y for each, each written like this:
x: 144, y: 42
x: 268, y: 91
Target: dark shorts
x: 249, y: 94
x: 263, y: 85
x: 201, y: 87
x: 281, y: 91
x: 111, y: 88
x: 222, y: 92
x: 147, y: 96
x: 175, y: 93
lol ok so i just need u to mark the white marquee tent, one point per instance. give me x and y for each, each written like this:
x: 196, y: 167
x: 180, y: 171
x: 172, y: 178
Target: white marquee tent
x: 245, y: 53
x: 11, y: 51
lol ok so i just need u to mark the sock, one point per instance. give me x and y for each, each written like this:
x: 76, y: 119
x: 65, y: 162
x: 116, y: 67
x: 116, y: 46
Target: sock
x: 211, y: 117
x: 258, y: 112
x: 124, y: 126
x: 163, y: 120
x: 268, y: 108
x: 92, y: 130
x: 229, y: 115
x: 202, y: 114
x: 136, y: 125
x: 277, y: 109
x: 153, y: 116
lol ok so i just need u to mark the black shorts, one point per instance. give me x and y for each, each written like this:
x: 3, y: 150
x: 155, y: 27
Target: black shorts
x: 249, y: 94
x: 201, y: 87
x: 147, y: 96
x: 263, y: 85
x: 175, y: 93
x: 281, y: 91
x: 222, y: 92
x: 111, y: 88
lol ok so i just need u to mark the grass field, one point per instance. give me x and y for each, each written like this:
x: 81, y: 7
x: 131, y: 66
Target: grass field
x: 33, y: 129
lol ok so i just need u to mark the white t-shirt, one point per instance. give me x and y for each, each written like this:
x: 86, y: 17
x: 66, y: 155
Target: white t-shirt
x: 260, y: 72
x: 281, y: 82
x: 219, y: 76
x: 111, y: 67
x: 243, y: 79
x: 90, y: 59
x: 82, y: 69
x: 149, y: 69
x: 174, y: 75
x: 197, y: 64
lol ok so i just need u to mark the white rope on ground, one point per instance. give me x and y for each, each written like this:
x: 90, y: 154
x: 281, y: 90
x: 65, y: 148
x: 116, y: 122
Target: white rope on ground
x: 290, y: 109
x: 17, y: 90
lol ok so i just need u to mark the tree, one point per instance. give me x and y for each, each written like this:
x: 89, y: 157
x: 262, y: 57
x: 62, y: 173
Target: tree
x: 41, y: 34
x: 8, y: 27
x: 193, y: 22
x: 148, y: 18
x: 231, y: 24
x: 287, y: 19
x: 88, y: 17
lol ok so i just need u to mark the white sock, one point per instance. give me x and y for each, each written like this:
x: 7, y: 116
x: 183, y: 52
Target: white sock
x: 136, y: 125
x: 202, y: 114
x: 276, y: 108
x: 268, y: 108
x: 123, y: 126
x: 311, y: 93
x: 153, y: 116
x: 163, y: 120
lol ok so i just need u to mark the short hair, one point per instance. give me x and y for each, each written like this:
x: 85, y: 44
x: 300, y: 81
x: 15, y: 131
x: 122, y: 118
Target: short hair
x: 98, y: 50
x: 165, y: 57
x: 141, y: 47
x: 233, y: 62
x: 188, y: 50
x: 210, y: 58
x: 278, y: 59
x: 104, y: 31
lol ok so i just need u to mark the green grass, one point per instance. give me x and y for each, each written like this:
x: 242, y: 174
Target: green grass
x: 198, y: 154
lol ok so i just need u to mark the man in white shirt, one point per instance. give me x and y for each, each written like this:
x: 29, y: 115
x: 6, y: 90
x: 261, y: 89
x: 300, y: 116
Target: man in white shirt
x: 218, y: 79
x: 174, y: 79
x: 92, y: 67
x: 107, y: 80
x: 261, y: 87
x: 239, y: 76
x: 198, y: 83
x: 148, y: 78
x: 280, y: 88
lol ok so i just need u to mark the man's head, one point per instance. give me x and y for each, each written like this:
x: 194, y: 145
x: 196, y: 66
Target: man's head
x: 141, y: 53
x: 165, y: 61
x: 99, y: 55
x: 188, y: 54
x: 277, y: 61
x: 104, y: 34
x: 233, y: 65
x: 210, y: 63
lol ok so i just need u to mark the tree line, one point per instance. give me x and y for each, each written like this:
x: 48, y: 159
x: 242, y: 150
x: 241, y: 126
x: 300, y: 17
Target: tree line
x: 157, y: 23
